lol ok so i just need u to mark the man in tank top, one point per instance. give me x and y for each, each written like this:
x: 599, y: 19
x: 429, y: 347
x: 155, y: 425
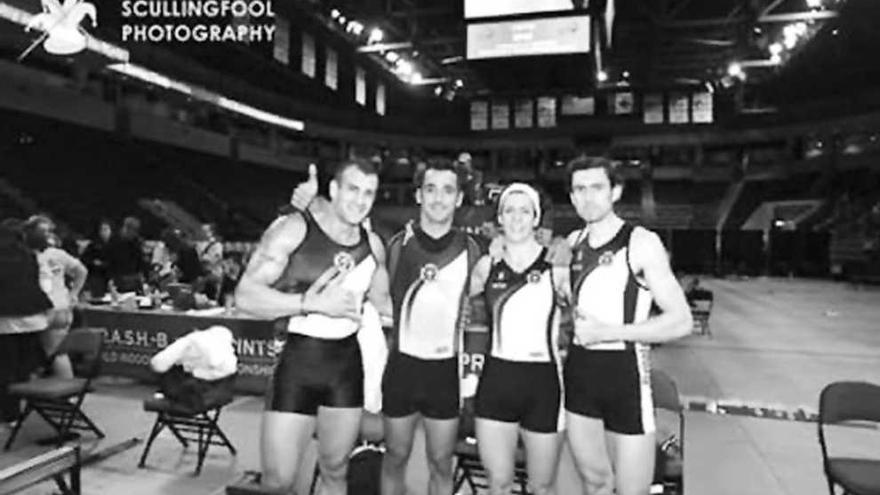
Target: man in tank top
x: 313, y: 272
x: 429, y: 265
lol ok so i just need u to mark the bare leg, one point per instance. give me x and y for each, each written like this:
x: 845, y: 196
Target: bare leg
x: 338, y: 430
x: 542, y: 459
x: 633, y: 459
x: 284, y: 438
x: 398, y: 445
x: 586, y: 438
x: 440, y: 438
x: 496, y: 441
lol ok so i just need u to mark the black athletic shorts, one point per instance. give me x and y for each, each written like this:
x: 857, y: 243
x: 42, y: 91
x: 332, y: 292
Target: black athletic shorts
x: 520, y: 392
x: 426, y: 386
x: 313, y: 372
x: 614, y: 386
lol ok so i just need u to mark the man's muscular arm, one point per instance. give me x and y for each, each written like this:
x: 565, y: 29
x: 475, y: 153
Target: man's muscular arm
x: 254, y: 293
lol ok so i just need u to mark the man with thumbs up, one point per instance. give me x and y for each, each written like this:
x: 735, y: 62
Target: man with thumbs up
x: 429, y: 265
x: 315, y: 272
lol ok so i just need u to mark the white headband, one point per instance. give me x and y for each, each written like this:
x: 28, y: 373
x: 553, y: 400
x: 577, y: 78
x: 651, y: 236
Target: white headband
x: 529, y: 191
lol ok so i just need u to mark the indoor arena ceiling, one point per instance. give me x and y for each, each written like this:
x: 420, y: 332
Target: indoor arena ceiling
x: 655, y: 43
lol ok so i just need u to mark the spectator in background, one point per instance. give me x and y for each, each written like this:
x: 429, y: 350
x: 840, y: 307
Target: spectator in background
x: 96, y: 257
x: 23, y: 314
x: 62, y: 277
x: 125, y: 255
x: 176, y: 260
x: 210, y: 251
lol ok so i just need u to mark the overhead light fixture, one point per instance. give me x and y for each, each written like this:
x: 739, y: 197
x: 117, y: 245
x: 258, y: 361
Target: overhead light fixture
x: 775, y: 59
x: 601, y: 76
x: 438, y: 90
x: 625, y: 74
x: 735, y: 70
x: 355, y: 28
x: 335, y: 14
x: 814, y: 4
x: 392, y: 57
x: 776, y: 49
x: 416, y: 78
x: 376, y: 36
x: 459, y: 83
x: 404, y: 68
x: 342, y: 20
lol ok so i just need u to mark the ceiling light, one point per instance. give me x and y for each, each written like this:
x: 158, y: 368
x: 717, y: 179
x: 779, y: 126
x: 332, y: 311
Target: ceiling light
x: 404, y: 68
x: 789, y: 42
x: 355, y: 28
x: 459, y: 83
x: 376, y: 35
x: 626, y: 74
x: 776, y: 59
x: 392, y: 57
x: 416, y: 78
x: 814, y: 4
x: 335, y: 13
x: 776, y: 48
x: 735, y: 70
x: 601, y: 76
x: 438, y: 90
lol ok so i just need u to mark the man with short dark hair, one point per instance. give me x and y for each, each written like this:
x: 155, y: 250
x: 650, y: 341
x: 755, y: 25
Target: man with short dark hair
x: 616, y: 271
x: 125, y: 256
x: 315, y: 272
x: 429, y: 265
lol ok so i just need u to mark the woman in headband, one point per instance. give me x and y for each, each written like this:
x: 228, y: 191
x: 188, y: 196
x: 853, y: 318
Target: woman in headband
x: 520, y: 391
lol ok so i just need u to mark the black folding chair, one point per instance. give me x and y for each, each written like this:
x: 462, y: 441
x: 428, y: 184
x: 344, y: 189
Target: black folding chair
x: 848, y: 402
x: 192, y: 424
x: 59, y: 400
x: 670, y: 450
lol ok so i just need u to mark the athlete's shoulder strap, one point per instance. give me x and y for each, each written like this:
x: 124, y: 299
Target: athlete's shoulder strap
x: 629, y: 267
x: 395, y: 245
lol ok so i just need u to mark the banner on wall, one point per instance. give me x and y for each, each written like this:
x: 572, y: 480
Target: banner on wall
x: 546, y: 111
x: 500, y: 115
x: 524, y: 115
x: 653, y: 109
x: 623, y: 103
x: 308, y: 55
x: 702, y: 108
x: 679, y: 108
x: 331, y: 72
x: 479, y: 115
x: 281, y: 48
x: 576, y: 105
x: 380, y: 99
x: 360, y: 86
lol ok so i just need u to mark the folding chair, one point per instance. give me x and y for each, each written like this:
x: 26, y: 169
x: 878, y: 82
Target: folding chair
x: 846, y: 402
x: 665, y: 397
x: 701, y: 302
x: 190, y: 425
x: 59, y: 400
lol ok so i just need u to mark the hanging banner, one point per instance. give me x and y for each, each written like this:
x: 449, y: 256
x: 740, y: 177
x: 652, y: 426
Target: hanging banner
x: 679, y: 111
x: 702, y: 108
x: 546, y: 111
x: 380, y: 99
x: 524, y: 114
x: 331, y: 72
x: 653, y: 109
x: 308, y: 55
x: 281, y: 49
x: 576, y: 105
x: 479, y: 115
x: 623, y: 103
x: 360, y: 86
x: 500, y: 115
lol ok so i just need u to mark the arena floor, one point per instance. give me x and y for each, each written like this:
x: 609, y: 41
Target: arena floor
x: 774, y: 344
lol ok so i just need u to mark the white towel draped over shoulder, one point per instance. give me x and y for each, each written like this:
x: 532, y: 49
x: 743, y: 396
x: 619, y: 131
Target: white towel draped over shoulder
x: 206, y: 354
x: 374, y: 353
